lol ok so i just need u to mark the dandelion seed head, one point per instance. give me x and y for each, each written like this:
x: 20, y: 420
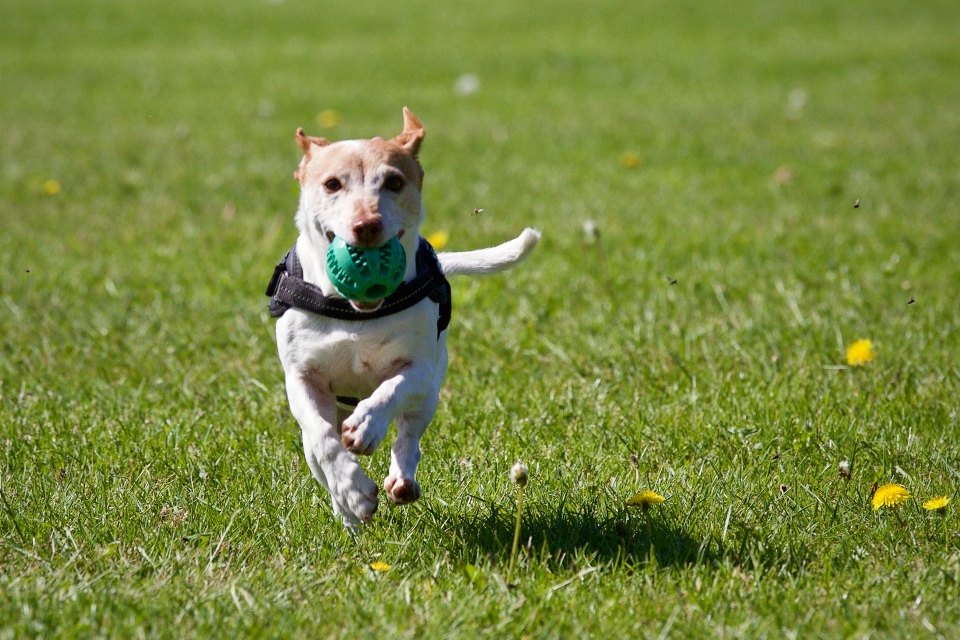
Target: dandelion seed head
x: 265, y: 109
x: 467, y: 84
x: 796, y: 101
x: 783, y: 175
x: 844, y: 469
x: 519, y: 474
x: 590, y: 230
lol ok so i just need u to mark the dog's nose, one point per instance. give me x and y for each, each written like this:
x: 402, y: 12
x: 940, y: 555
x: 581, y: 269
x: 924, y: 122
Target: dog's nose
x: 367, y: 231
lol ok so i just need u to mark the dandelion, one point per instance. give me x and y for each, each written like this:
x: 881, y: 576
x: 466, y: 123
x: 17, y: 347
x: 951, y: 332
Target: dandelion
x: 890, y: 495
x: 590, y: 231
x: 380, y: 567
x: 519, y: 475
x: 467, y: 84
x: 629, y: 160
x: 795, y: 103
x: 265, y: 109
x: 936, y: 504
x: 940, y: 506
x: 844, y: 469
x: 860, y: 353
x: 51, y: 187
x: 645, y: 499
x: 783, y: 175
x: 438, y: 239
x: 328, y: 119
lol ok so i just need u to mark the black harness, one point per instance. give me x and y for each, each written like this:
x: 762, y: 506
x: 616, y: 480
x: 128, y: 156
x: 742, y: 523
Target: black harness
x: 288, y: 289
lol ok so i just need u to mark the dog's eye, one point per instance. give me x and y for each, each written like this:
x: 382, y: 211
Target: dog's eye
x: 332, y: 185
x: 393, y: 183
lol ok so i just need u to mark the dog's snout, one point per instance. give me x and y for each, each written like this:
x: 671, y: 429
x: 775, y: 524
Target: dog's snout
x: 367, y: 231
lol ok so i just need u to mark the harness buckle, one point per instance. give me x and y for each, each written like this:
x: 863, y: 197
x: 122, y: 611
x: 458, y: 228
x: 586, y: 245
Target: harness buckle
x: 278, y: 272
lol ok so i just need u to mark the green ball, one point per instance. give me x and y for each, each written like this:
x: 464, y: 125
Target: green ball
x: 366, y: 275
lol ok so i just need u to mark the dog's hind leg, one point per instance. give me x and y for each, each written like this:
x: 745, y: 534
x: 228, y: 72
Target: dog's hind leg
x: 401, y: 484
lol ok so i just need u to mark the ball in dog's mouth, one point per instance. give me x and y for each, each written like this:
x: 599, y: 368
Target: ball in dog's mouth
x: 366, y: 275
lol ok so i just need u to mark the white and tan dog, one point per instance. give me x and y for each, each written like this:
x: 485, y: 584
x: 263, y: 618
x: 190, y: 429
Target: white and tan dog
x: 367, y: 192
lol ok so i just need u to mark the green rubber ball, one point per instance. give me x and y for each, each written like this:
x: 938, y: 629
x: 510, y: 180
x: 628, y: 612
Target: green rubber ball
x: 366, y: 275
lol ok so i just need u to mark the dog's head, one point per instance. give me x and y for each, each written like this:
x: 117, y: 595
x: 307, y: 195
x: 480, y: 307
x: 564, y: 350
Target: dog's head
x: 365, y: 192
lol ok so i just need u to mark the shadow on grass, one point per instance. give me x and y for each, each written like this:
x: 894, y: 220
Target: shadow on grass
x: 613, y: 537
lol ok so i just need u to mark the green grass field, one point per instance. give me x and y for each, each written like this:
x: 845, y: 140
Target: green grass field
x: 152, y: 478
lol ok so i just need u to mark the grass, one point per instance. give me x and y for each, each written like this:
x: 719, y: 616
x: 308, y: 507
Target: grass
x: 152, y: 478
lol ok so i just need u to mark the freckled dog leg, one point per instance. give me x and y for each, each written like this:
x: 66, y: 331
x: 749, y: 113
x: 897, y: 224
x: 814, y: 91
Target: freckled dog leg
x: 354, y: 494
x: 366, y: 428
x: 401, y: 485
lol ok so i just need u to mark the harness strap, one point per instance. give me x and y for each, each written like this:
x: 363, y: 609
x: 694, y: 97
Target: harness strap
x: 288, y: 290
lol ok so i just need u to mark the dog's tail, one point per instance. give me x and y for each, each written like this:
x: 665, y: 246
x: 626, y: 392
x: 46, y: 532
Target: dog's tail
x: 491, y: 260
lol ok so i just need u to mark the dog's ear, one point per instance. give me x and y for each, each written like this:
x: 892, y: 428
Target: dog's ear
x: 304, y: 141
x: 412, y: 135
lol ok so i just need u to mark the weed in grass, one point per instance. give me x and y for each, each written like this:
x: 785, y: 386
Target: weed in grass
x: 518, y: 474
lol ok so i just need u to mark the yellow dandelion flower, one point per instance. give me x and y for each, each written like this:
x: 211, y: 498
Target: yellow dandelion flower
x: 629, y: 160
x: 890, y: 495
x: 438, y: 239
x: 51, y: 187
x: 936, y: 503
x: 645, y: 499
x: 381, y: 567
x: 328, y: 119
x: 860, y: 353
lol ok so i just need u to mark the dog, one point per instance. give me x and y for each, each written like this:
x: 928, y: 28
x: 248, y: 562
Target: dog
x: 354, y: 366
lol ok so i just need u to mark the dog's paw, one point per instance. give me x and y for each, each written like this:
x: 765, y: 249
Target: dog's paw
x: 356, y: 497
x: 401, y: 490
x: 362, y: 433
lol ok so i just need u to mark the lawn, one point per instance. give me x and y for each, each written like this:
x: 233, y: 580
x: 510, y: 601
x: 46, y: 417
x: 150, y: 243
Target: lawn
x: 152, y: 481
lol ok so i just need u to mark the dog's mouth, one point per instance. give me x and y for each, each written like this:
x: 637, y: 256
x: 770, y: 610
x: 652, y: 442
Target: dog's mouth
x: 366, y: 307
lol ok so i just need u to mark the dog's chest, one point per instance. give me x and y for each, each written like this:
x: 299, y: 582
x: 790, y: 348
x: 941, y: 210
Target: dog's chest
x: 353, y: 358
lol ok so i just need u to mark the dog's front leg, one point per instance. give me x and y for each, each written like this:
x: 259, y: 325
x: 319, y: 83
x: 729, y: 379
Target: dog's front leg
x: 367, y: 426
x: 354, y: 494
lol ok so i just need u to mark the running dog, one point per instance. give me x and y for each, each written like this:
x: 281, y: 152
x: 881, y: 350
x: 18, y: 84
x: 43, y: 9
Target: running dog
x: 354, y: 366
